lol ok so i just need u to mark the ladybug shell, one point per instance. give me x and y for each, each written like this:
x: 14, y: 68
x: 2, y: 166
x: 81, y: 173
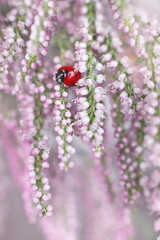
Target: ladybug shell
x: 72, y: 77
x: 69, y: 68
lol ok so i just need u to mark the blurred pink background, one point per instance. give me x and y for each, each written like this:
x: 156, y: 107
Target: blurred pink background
x: 16, y: 224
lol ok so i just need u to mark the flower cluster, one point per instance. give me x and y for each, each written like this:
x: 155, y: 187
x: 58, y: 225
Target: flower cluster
x: 123, y: 73
x: 127, y: 144
x: 39, y: 40
x: 148, y: 44
x: 108, y: 102
x: 37, y: 101
x: 63, y: 127
x: 10, y: 46
x: 127, y: 23
x: 91, y: 109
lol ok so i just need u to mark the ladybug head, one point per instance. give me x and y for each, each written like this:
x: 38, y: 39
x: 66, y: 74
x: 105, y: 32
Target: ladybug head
x: 60, y: 75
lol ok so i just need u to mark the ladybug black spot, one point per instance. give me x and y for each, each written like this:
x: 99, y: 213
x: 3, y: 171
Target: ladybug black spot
x: 72, y: 83
x: 76, y: 76
x: 66, y: 72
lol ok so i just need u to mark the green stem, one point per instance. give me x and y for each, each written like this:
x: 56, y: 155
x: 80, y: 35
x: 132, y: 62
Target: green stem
x: 38, y: 159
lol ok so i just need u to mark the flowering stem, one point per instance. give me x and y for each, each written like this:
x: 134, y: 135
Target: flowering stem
x: 128, y: 84
x: 63, y: 117
x: 150, y: 52
x: 38, y: 159
x: 32, y: 59
x: 91, y: 11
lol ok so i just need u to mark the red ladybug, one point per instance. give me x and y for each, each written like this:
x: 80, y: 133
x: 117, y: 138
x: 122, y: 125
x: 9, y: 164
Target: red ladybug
x: 67, y: 75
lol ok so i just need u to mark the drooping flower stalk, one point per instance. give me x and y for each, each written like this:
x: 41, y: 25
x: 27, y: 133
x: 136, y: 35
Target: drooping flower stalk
x: 37, y: 102
x: 150, y: 73
x: 128, y: 91
x: 63, y: 118
x: 39, y: 39
x: 128, y: 163
x: 63, y: 127
x: 14, y: 37
x: 91, y: 110
x: 126, y: 22
x: 11, y: 44
x: 126, y: 105
x: 37, y: 160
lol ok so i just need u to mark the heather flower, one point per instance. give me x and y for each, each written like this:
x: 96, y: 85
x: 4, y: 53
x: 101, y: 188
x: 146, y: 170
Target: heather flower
x: 35, y: 102
x: 47, y: 127
x: 91, y: 110
x: 123, y: 73
x: 127, y: 23
x: 39, y: 40
x: 128, y: 150
x: 63, y: 127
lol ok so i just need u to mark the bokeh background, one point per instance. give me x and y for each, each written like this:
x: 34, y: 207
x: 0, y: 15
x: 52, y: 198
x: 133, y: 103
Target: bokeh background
x: 16, y: 225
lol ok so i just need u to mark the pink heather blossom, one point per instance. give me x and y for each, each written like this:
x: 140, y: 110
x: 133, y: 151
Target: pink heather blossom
x: 84, y: 157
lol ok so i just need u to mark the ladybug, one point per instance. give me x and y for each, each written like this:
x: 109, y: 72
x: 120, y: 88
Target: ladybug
x: 67, y: 75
